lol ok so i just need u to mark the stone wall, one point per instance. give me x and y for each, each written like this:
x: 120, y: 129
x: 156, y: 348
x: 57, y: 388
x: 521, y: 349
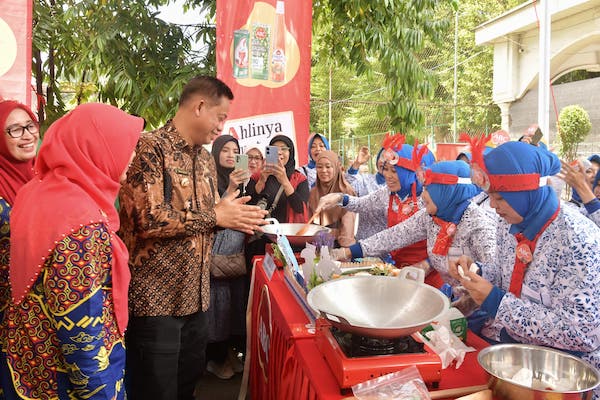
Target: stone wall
x: 585, y: 93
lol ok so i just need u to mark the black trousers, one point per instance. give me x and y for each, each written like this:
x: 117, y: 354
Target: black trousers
x: 165, y: 356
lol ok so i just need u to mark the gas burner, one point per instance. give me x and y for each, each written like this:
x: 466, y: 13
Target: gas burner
x: 365, y: 346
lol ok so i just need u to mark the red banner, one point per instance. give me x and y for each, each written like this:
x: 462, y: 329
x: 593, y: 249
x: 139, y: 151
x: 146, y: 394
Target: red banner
x: 263, y: 54
x: 15, y: 50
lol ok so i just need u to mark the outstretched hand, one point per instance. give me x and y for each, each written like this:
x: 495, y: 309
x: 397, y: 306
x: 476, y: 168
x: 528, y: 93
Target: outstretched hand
x: 233, y: 213
x: 328, y: 201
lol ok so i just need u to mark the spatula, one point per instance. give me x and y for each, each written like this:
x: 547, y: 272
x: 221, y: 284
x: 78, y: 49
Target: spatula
x: 305, y: 227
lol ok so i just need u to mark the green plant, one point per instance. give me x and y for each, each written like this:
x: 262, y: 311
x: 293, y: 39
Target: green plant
x: 573, y: 126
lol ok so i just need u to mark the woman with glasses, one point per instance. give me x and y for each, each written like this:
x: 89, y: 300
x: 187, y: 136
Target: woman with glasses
x: 542, y: 288
x: 282, y: 189
x: 20, y: 135
x: 255, y: 160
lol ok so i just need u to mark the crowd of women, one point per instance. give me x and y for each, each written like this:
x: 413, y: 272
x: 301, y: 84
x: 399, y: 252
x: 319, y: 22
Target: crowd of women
x: 538, y: 255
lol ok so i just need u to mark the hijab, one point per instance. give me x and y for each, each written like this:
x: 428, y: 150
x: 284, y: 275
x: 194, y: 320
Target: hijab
x: 451, y: 200
x: 312, y: 163
x: 379, y: 178
x: 222, y: 172
x: 535, y: 206
x: 78, y: 168
x: 13, y: 173
x: 407, y: 177
x: 337, y: 185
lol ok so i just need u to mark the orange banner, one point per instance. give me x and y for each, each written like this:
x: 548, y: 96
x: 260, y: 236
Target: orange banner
x: 263, y: 54
x: 15, y: 50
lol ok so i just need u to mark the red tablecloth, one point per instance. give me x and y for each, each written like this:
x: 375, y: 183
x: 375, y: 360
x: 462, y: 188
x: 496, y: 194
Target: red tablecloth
x: 284, y: 360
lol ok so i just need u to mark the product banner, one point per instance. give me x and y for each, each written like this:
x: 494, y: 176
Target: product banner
x: 15, y: 50
x: 263, y: 54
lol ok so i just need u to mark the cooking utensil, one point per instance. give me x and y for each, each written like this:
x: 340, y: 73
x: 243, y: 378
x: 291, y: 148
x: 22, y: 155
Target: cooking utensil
x: 306, y: 226
x: 379, y: 306
x: 455, y: 392
x: 552, y: 374
x: 290, y: 231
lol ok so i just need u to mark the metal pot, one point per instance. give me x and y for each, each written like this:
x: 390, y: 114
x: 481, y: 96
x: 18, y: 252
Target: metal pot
x: 551, y: 374
x: 379, y: 306
x: 289, y: 230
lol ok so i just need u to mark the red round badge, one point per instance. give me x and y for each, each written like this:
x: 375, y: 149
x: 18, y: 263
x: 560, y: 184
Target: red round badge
x: 524, y: 253
x: 407, y: 208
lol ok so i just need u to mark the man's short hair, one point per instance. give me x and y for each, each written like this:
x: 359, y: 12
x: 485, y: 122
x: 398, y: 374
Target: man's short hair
x: 212, y: 88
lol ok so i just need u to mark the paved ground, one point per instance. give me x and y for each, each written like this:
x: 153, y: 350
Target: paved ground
x: 212, y: 388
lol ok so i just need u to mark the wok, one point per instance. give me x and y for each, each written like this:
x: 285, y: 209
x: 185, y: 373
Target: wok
x: 289, y: 230
x: 379, y: 306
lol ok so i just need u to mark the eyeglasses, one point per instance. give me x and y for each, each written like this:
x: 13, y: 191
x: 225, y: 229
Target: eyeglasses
x: 17, y: 131
x: 255, y: 158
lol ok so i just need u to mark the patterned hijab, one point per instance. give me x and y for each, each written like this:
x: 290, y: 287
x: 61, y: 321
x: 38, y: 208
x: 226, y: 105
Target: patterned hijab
x: 13, y: 173
x: 78, y: 168
x: 337, y: 185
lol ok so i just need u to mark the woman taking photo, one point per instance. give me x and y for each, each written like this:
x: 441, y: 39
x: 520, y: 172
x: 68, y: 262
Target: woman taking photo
x: 330, y: 179
x: 282, y: 189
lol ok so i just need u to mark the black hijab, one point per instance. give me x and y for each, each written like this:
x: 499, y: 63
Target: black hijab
x: 222, y: 172
x: 290, y: 166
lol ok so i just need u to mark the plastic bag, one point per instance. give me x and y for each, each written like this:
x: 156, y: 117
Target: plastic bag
x: 406, y: 384
x: 447, y: 345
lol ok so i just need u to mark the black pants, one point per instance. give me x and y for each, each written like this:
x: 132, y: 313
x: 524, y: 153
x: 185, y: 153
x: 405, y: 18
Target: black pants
x: 165, y: 356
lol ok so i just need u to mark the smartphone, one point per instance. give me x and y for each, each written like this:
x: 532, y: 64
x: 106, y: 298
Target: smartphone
x: 272, y: 155
x: 241, y: 161
x: 537, y: 136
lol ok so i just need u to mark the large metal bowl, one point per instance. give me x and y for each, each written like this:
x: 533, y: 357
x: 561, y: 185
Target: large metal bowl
x: 554, y: 374
x: 290, y: 229
x: 378, y: 306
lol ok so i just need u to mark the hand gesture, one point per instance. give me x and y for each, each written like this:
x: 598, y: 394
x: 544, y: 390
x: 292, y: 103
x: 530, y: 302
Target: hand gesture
x: 278, y: 171
x: 574, y: 175
x: 236, y: 178
x: 341, y: 254
x: 478, y: 287
x: 328, y: 201
x: 234, y: 213
x: 363, y: 155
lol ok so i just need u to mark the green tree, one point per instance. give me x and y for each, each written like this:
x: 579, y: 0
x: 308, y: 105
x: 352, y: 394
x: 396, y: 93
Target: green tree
x: 573, y: 126
x: 108, y: 51
x: 389, y: 34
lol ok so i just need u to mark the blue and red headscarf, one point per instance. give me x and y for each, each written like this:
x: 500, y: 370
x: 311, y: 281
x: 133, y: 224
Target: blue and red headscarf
x: 312, y: 163
x: 524, y: 165
x: 451, y: 198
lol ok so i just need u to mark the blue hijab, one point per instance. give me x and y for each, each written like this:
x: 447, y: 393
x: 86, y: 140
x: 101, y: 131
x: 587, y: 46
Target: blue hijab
x: 312, y: 163
x: 408, y: 177
x: 379, y: 176
x: 535, y: 206
x: 596, y: 180
x: 452, y: 200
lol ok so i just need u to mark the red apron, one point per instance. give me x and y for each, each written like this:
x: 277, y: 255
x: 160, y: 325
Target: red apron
x: 400, y: 211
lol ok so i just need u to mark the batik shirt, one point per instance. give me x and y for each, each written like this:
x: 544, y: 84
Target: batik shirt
x: 62, y: 340
x: 590, y: 210
x: 559, y: 304
x: 167, y: 223
x: 4, y: 254
x: 372, y: 212
x: 475, y: 236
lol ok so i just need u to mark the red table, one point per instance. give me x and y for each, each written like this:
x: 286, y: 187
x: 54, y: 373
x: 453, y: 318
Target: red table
x: 284, y: 360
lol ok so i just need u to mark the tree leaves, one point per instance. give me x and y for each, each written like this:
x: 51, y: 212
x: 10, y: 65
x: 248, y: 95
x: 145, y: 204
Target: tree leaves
x: 130, y: 58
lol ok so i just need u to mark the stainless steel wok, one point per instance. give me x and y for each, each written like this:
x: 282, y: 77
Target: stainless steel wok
x: 289, y: 230
x: 379, y: 306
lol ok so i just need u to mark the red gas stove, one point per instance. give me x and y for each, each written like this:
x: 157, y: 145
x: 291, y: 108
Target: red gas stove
x: 354, y: 359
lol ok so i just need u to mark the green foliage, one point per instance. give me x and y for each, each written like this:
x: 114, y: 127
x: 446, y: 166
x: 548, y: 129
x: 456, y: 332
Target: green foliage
x: 120, y: 54
x: 573, y: 126
x: 363, y: 33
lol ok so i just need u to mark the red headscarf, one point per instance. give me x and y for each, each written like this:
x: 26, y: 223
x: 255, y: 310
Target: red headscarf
x: 78, y: 167
x: 13, y: 173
